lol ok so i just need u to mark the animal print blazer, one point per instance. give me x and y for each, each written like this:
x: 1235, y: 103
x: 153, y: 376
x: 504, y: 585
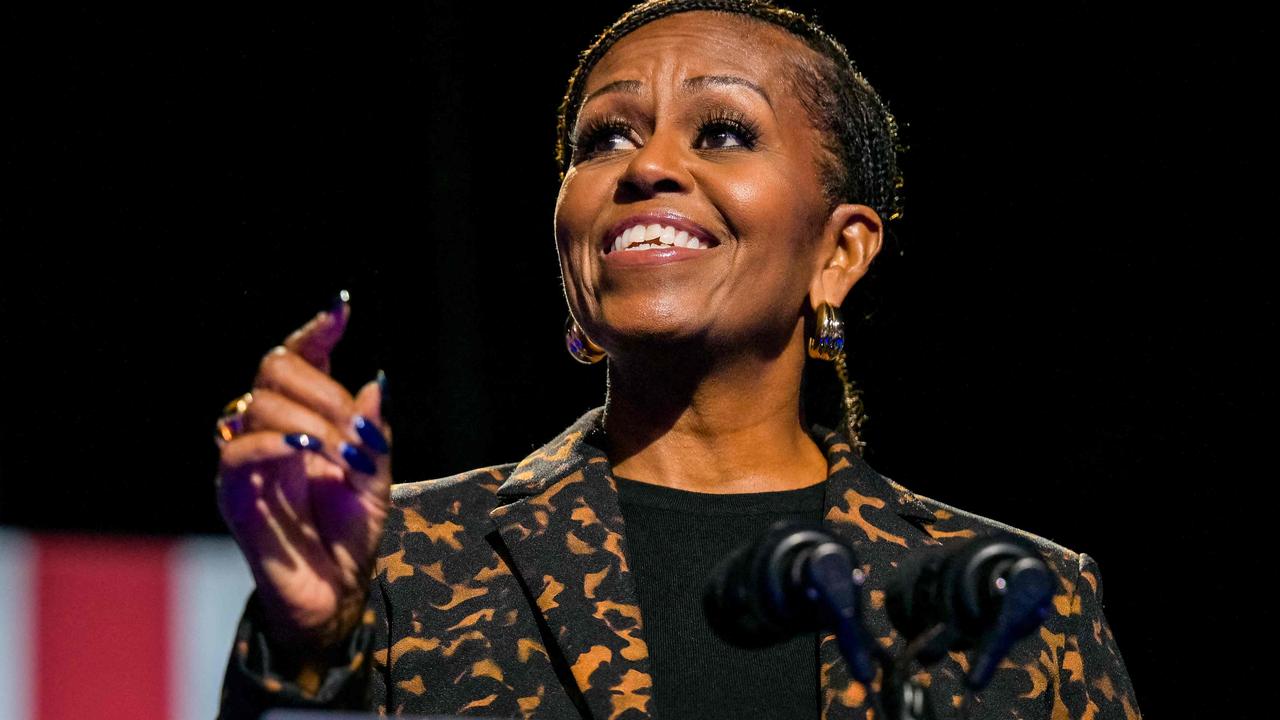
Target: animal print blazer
x: 506, y: 592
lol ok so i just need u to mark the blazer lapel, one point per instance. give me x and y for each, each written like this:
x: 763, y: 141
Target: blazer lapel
x: 562, y: 526
x: 882, y: 520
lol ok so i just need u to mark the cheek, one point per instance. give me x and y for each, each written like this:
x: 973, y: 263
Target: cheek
x: 768, y: 210
x: 582, y: 196
x: 563, y: 217
x: 762, y: 199
x: 745, y: 197
x: 575, y: 215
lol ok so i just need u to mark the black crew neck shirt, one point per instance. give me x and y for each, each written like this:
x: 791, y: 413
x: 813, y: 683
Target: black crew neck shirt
x: 674, y: 539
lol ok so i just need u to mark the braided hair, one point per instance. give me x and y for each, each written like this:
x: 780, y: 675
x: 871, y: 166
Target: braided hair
x: 860, y: 142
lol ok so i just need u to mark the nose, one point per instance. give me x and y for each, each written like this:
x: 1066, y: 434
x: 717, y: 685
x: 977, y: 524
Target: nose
x: 657, y: 166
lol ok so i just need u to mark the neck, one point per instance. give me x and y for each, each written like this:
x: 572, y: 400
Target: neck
x: 712, y: 424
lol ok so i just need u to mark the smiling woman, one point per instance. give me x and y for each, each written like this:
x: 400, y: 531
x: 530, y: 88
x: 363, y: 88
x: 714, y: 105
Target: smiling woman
x: 726, y: 177
x: 776, y: 150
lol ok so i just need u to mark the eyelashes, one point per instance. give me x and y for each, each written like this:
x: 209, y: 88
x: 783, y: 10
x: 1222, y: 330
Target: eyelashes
x: 595, y: 130
x: 713, y: 123
x: 734, y: 121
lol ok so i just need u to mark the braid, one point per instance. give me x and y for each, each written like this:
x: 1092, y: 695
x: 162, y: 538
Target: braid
x: 851, y: 399
x: 860, y: 144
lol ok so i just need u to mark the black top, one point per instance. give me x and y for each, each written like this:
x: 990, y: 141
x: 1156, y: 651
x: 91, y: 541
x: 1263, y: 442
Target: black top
x: 675, y: 538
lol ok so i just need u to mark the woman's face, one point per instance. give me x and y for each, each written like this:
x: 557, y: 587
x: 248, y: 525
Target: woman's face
x: 690, y: 124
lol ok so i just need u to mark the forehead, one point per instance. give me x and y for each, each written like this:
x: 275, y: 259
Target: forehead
x: 700, y: 42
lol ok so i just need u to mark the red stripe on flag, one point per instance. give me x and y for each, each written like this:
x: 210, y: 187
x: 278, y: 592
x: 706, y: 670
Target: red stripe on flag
x: 102, y: 620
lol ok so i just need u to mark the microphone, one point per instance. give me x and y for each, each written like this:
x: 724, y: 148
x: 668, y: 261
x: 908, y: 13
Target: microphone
x: 794, y: 578
x: 988, y: 592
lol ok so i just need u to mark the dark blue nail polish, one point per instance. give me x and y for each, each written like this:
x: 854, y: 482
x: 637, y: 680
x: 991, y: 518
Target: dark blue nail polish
x: 303, y: 441
x: 358, y: 460
x: 384, y: 406
x: 342, y: 298
x: 370, y: 435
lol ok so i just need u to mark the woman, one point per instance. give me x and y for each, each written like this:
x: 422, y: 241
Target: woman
x: 726, y: 178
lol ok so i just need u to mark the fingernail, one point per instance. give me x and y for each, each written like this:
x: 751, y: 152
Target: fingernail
x: 384, y: 405
x: 371, y: 436
x: 358, y: 460
x: 303, y: 441
x: 342, y: 298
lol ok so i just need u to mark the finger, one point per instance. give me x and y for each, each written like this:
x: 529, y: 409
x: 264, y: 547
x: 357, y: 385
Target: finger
x: 256, y: 447
x: 315, y: 340
x: 340, y: 444
x: 255, y: 466
x: 294, y: 510
x: 290, y: 375
x: 272, y: 513
x: 290, y: 503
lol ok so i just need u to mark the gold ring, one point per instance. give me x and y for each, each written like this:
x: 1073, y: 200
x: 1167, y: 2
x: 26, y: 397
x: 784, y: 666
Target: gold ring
x: 231, y: 423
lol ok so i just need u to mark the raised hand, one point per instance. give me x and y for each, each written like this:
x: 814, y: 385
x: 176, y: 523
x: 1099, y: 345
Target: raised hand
x: 304, y: 484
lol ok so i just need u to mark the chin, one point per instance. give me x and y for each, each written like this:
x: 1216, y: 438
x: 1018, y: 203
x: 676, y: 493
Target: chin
x: 652, y: 316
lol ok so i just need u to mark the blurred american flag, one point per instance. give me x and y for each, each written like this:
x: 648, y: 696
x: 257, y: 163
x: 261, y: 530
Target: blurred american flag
x: 106, y: 627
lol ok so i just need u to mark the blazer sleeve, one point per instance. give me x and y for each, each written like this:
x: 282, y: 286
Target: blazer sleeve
x: 1095, y: 683
x: 254, y: 683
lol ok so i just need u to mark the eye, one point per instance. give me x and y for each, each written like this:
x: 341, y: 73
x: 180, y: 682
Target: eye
x: 721, y: 134
x: 598, y: 136
x: 727, y: 126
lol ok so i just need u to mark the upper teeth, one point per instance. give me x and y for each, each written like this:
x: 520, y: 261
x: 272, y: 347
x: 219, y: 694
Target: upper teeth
x: 648, y: 237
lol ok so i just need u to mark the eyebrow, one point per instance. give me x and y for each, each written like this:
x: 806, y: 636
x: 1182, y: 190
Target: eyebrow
x: 694, y: 83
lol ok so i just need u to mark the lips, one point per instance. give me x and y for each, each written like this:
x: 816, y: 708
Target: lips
x: 697, y: 236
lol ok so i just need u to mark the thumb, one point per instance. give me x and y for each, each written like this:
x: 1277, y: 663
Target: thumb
x: 370, y: 402
x: 375, y: 435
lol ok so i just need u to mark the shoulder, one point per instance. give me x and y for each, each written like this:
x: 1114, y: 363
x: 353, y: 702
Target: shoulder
x: 444, y: 507
x: 952, y: 523
x: 479, y: 483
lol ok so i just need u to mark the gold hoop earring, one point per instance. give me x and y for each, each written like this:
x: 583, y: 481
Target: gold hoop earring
x: 828, y: 340
x: 580, y: 346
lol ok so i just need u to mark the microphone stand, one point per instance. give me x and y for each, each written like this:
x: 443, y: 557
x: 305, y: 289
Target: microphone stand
x: 906, y: 699
x: 833, y: 582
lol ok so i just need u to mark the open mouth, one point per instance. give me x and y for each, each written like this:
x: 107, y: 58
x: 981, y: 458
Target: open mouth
x: 640, y: 236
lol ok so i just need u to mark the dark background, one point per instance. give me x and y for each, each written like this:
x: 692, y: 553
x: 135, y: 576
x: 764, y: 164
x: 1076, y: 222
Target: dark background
x: 1065, y: 336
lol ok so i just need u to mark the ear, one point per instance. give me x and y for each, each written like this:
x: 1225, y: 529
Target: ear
x: 850, y: 240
